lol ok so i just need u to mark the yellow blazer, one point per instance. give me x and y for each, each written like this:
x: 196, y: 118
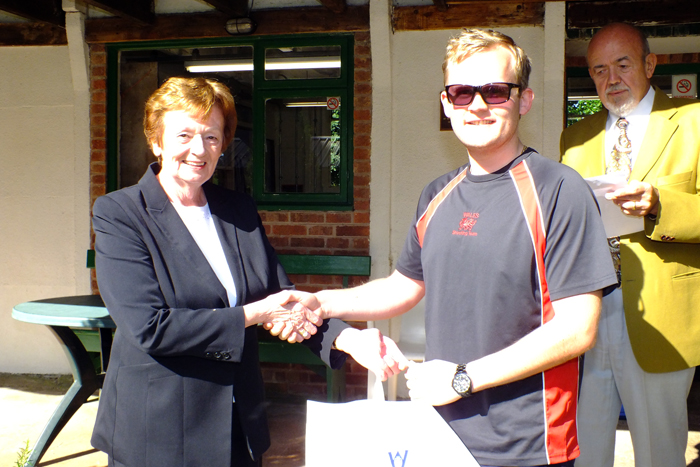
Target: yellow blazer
x: 660, y: 266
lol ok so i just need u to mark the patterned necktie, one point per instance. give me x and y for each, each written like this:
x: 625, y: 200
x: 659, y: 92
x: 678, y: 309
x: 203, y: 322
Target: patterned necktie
x: 619, y: 162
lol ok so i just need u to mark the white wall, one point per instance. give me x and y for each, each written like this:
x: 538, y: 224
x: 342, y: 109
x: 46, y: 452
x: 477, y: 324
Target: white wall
x: 37, y: 200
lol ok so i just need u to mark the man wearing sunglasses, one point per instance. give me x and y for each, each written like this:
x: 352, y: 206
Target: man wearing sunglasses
x: 496, y: 251
x: 647, y: 345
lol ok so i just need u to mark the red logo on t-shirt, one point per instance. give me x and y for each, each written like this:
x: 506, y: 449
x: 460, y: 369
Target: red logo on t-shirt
x: 467, y: 224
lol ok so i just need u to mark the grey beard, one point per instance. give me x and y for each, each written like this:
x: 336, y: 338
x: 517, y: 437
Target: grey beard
x: 623, y: 109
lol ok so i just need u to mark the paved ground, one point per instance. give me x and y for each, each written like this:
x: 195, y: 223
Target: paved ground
x: 26, y: 402
x: 624, y: 457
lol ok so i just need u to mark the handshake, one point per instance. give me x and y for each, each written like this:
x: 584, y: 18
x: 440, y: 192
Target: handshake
x: 294, y: 316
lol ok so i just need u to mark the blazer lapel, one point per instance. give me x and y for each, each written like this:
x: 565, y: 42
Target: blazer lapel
x: 224, y: 214
x: 595, y: 144
x: 171, y: 227
x: 659, y: 131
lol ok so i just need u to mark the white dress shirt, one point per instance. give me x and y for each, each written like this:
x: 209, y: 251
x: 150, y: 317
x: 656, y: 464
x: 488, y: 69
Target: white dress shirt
x: 638, y: 121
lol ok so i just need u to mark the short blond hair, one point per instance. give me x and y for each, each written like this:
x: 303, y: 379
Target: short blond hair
x: 472, y: 41
x: 196, y: 97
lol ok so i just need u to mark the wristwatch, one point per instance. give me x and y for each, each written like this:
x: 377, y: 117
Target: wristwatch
x: 462, y: 383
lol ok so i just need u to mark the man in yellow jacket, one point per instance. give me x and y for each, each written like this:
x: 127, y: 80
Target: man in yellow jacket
x: 649, y: 334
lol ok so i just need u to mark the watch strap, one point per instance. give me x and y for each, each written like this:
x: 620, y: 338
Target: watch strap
x: 458, y: 381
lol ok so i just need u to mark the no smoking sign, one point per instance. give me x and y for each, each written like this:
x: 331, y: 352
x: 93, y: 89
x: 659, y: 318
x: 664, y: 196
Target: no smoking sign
x: 333, y: 103
x: 685, y: 86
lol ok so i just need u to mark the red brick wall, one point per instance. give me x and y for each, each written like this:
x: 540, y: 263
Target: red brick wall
x: 98, y: 130
x: 292, y: 232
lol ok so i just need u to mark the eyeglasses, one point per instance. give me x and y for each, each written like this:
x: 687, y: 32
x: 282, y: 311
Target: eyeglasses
x: 461, y: 95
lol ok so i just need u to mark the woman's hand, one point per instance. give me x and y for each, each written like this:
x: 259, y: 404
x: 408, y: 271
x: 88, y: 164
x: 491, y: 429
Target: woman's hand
x: 284, y: 315
x: 373, y: 351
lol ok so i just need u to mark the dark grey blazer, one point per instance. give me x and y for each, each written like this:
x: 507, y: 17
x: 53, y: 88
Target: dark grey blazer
x: 180, y: 352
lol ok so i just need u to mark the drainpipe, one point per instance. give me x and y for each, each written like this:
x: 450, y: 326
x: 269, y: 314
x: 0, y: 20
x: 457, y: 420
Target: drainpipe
x: 80, y: 65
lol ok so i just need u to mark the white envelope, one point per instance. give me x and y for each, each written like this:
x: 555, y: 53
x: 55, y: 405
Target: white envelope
x: 616, y: 223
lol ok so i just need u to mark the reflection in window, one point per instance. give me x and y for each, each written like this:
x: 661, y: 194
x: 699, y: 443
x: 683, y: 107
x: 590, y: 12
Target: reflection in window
x: 302, y: 145
x: 235, y: 168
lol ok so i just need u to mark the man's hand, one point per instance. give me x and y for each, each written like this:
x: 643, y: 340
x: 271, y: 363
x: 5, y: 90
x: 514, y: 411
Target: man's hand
x: 636, y: 199
x: 431, y: 382
x: 373, y: 351
x: 285, y: 316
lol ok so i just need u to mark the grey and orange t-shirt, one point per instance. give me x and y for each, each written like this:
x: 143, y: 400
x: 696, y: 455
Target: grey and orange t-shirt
x: 493, y: 251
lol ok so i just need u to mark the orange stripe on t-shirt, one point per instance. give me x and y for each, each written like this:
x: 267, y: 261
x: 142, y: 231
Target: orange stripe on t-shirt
x: 561, y: 382
x: 424, y: 220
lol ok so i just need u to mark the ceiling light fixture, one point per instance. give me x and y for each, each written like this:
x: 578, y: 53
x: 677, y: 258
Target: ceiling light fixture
x: 306, y: 104
x: 299, y: 63
x: 209, y: 66
x: 240, y: 26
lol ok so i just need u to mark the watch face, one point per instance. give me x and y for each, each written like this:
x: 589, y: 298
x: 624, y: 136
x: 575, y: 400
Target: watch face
x: 462, y: 384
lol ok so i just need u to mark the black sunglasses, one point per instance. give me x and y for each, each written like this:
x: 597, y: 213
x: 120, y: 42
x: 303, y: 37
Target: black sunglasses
x: 461, y: 95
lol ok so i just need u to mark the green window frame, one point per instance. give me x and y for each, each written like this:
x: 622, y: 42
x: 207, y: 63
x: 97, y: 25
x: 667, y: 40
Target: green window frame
x: 340, y: 86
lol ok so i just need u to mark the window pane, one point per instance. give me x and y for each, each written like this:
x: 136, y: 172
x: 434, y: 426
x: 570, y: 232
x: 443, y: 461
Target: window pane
x: 235, y: 168
x: 302, y: 145
x: 285, y: 157
x: 142, y: 71
x: 302, y: 62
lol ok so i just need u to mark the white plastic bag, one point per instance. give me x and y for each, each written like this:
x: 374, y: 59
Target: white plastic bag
x: 376, y: 433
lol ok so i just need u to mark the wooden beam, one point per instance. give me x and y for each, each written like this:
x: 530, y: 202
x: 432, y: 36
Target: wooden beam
x: 468, y: 14
x: 234, y: 8
x: 19, y: 34
x: 440, y: 4
x: 197, y: 26
x: 592, y: 14
x: 336, y: 6
x: 310, y: 20
x: 140, y: 11
x: 44, y: 11
x: 503, y: 2
x: 165, y: 27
